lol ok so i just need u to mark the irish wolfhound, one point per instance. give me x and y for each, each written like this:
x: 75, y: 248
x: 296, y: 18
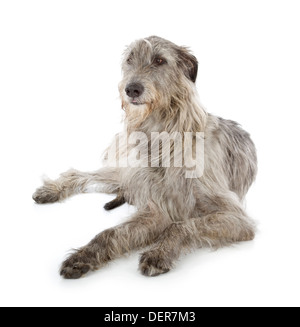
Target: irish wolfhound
x: 175, y: 214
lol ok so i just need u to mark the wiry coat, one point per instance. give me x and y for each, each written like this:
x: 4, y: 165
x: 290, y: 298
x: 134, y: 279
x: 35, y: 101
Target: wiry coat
x: 174, y: 214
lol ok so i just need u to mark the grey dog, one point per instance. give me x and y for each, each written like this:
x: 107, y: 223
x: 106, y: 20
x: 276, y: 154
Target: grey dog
x: 174, y: 214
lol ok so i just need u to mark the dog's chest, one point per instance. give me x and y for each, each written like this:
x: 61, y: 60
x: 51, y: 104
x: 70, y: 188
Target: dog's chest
x: 141, y: 184
x: 167, y: 192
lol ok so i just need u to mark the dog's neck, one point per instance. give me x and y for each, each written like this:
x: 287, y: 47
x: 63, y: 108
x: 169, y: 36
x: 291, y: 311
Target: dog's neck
x: 190, y: 118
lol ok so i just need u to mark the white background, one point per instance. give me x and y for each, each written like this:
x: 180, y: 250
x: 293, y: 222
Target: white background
x: 59, y: 71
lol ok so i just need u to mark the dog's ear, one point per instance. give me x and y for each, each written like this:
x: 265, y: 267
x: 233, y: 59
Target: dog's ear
x: 188, y: 63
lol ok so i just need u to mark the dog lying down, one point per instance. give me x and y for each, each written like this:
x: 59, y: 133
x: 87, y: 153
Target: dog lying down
x: 186, y: 171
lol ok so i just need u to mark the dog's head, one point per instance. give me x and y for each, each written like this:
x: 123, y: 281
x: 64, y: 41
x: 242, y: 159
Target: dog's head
x: 156, y: 75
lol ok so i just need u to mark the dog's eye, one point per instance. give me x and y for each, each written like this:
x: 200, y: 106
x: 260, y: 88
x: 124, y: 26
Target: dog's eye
x: 159, y: 61
x: 129, y: 59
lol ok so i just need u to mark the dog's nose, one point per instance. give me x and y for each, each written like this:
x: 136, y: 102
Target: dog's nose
x: 134, y: 90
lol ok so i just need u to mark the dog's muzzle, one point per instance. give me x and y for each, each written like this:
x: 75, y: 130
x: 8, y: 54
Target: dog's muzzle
x: 134, y: 91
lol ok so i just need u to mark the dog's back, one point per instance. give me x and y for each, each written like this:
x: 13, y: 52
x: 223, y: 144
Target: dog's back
x: 230, y: 155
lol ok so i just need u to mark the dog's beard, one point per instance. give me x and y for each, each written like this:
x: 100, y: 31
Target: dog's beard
x: 136, y: 114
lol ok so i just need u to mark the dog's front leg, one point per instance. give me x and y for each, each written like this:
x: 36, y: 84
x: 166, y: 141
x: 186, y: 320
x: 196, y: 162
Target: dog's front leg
x: 140, y: 231
x: 74, y: 182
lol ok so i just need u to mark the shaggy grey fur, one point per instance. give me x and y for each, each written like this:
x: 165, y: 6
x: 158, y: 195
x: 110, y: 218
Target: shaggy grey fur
x: 174, y: 214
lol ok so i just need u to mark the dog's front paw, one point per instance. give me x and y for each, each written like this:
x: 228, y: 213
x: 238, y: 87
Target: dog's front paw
x: 75, y: 266
x: 46, y: 194
x: 74, y: 271
x: 154, y: 263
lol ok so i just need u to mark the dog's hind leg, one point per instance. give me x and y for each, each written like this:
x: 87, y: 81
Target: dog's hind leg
x: 115, y: 203
x: 213, y: 230
x: 74, y: 182
x: 139, y: 232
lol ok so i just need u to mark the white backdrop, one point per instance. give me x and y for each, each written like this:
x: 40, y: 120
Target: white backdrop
x: 59, y: 71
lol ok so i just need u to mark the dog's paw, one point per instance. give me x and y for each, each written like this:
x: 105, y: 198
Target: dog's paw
x: 75, y: 266
x: 117, y: 202
x: 153, y: 264
x: 75, y: 270
x: 45, y: 194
